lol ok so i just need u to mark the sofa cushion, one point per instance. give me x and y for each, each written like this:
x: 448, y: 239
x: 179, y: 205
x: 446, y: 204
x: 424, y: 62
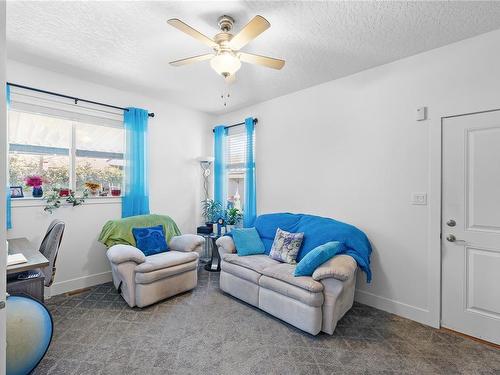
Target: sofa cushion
x: 150, y: 277
x: 254, y: 262
x: 292, y: 291
x: 241, y: 272
x: 285, y: 273
x: 165, y: 260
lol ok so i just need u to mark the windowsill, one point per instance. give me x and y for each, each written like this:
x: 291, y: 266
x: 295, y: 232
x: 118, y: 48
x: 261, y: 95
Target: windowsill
x: 40, y: 202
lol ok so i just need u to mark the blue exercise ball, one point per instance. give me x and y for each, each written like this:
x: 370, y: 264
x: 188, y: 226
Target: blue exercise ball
x: 29, y: 332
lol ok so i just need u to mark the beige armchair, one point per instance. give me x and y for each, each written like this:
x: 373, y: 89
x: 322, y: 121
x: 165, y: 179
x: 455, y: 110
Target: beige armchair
x: 143, y: 280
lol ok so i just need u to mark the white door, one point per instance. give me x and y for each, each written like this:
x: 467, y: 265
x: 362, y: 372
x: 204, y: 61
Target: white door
x: 471, y: 225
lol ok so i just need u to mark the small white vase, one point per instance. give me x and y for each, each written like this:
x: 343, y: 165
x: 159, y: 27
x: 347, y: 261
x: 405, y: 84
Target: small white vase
x: 229, y: 228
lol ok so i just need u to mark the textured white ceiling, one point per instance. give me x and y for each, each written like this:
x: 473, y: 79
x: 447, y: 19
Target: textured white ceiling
x: 128, y: 44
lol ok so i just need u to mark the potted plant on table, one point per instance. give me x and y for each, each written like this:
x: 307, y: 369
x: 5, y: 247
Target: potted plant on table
x: 35, y: 182
x: 211, y: 211
x: 233, y: 218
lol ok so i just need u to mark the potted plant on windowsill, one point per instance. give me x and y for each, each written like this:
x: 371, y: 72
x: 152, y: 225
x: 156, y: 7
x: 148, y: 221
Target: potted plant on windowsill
x: 54, y: 199
x: 211, y: 211
x: 233, y: 218
x: 92, y: 187
x: 36, y: 183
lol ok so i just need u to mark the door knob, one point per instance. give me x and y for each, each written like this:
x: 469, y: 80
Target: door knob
x: 451, y: 238
x: 451, y: 223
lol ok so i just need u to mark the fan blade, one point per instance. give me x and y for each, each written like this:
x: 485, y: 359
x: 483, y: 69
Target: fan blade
x: 261, y: 60
x: 252, y: 30
x: 191, y: 60
x: 185, y: 28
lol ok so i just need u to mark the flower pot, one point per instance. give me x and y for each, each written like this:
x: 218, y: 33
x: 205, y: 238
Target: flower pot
x: 37, y: 192
x: 116, y: 191
x: 230, y: 227
x: 64, y: 192
x: 94, y: 192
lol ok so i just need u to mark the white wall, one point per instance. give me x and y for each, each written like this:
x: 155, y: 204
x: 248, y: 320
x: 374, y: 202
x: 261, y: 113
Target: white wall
x: 351, y: 149
x: 176, y: 139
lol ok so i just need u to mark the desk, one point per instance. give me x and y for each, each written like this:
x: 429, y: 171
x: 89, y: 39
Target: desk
x: 32, y: 287
x: 34, y: 257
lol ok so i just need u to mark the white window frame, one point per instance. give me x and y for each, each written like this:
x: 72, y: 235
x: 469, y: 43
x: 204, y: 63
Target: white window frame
x: 27, y: 101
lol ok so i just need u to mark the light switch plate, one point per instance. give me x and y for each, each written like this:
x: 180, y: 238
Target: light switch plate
x: 419, y: 199
x: 422, y: 114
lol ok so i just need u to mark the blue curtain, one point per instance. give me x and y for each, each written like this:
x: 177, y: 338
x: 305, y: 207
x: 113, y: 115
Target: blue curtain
x: 220, y: 180
x: 135, y: 200
x: 250, y: 207
x: 8, y: 207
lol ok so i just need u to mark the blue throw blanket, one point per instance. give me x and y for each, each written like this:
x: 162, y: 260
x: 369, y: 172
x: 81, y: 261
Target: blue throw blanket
x: 317, y: 231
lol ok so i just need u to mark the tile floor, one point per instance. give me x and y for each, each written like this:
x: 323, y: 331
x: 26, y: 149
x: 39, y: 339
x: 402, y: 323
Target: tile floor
x: 208, y: 332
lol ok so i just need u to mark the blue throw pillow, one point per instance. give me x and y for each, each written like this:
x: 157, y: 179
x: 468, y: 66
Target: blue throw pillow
x: 317, y: 256
x: 247, y: 241
x: 150, y: 240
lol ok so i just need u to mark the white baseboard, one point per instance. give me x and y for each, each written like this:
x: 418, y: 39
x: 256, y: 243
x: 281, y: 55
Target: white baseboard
x: 415, y: 313
x: 78, y: 283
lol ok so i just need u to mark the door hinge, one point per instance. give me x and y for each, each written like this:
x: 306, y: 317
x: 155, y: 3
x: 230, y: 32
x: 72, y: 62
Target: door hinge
x: 2, y: 305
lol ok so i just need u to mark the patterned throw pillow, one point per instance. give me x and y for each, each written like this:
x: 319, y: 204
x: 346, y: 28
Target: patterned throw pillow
x: 150, y: 240
x: 286, y: 246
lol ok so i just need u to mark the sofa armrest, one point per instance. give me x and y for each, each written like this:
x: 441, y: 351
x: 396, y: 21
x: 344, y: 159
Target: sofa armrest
x: 186, y: 243
x: 225, y: 245
x: 125, y: 253
x: 340, y: 267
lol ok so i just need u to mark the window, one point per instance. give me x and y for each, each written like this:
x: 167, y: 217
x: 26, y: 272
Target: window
x: 66, y: 148
x: 39, y: 145
x: 99, y: 155
x: 235, y: 164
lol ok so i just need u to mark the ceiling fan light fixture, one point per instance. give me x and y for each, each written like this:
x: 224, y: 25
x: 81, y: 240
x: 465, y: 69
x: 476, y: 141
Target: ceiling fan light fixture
x: 225, y: 63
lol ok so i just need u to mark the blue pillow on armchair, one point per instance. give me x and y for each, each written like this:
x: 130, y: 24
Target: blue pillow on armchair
x: 150, y: 240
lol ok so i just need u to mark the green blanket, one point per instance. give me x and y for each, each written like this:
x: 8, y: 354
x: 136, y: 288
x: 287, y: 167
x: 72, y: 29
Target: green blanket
x: 117, y: 232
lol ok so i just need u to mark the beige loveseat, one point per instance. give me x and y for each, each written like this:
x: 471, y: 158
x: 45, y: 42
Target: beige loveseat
x: 312, y: 304
x: 144, y: 280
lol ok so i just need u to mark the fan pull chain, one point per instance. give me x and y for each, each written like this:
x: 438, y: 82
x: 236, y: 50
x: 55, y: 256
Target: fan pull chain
x: 225, y: 98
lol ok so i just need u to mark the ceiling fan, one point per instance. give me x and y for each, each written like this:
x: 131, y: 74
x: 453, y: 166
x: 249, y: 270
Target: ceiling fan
x: 226, y: 58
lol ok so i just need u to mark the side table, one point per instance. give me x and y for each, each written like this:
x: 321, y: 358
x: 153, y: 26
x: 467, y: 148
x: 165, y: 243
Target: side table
x: 214, y: 264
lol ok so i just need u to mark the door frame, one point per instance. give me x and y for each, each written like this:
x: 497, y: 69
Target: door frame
x: 435, y: 216
x: 3, y: 180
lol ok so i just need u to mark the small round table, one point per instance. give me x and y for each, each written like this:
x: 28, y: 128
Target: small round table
x: 213, y: 264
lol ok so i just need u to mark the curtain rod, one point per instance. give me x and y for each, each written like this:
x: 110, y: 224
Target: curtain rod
x: 72, y: 97
x: 255, y: 121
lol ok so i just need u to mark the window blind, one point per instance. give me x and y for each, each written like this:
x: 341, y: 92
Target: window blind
x: 43, y: 104
x: 237, y: 149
